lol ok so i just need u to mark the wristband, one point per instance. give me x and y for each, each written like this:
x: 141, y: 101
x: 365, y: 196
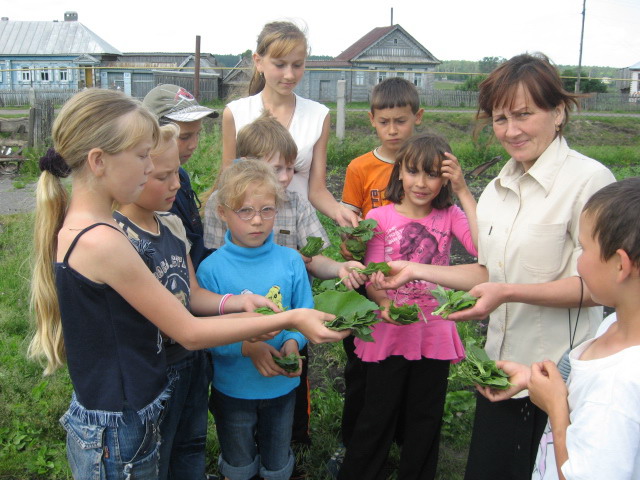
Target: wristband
x: 223, y: 300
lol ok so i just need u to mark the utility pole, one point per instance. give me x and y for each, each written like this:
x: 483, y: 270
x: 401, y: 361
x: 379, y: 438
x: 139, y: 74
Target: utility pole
x: 584, y: 10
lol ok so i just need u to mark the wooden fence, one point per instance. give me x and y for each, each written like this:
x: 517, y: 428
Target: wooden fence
x: 21, y: 99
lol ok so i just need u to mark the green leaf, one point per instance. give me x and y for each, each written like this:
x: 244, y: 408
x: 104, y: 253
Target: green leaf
x: 264, y: 311
x: 451, y: 301
x: 358, y: 236
x: 373, y: 267
x: 353, y: 312
x: 477, y: 368
x: 404, y: 314
x: 289, y: 363
x: 313, y: 247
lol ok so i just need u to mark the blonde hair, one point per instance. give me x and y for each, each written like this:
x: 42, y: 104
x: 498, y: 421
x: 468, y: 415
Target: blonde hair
x: 277, y: 39
x: 167, y: 133
x: 93, y: 118
x: 264, y: 137
x: 234, y: 181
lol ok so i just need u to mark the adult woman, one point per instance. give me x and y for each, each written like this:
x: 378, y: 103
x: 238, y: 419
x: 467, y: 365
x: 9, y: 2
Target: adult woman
x: 528, y: 247
x: 278, y: 67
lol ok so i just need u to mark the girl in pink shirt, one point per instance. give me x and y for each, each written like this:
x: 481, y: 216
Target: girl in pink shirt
x: 407, y: 366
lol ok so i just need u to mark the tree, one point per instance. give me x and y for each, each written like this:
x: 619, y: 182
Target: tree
x: 587, y: 85
x: 489, y: 64
x: 471, y: 83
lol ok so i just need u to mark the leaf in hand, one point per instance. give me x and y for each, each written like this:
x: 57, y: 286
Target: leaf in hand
x: 353, y: 312
x: 289, y: 363
x: 405, y: 314
x: 313, y: 247
x: 477, y: 368
x: 359, y: 236
x: 451, y: 301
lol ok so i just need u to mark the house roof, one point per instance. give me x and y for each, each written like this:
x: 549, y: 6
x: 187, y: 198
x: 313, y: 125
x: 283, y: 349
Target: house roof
x: 364, y: 43
x: 635, y: 67
x: 51, y: 38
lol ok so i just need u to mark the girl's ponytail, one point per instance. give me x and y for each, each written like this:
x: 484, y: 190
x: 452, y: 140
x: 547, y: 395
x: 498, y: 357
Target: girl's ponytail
x: 51, y: 205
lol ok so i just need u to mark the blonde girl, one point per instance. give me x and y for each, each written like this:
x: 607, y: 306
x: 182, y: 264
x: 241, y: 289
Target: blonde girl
x: 279, y: 62
x: 97, y: 306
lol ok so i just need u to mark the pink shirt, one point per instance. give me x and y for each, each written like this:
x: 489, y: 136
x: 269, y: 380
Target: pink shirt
x: 426, y: 240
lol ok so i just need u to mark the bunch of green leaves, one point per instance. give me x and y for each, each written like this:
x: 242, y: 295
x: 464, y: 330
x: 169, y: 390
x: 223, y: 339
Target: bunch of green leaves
x: 451, y: 301
x: 353, y: 312
x: 358, y: 237
x: 477, y: 368
x: 405, y: 314
x: 276, y: 297
x: 313, y: 247
x: 370, y: 269
x: 289, y: 363
x: 320, y: 286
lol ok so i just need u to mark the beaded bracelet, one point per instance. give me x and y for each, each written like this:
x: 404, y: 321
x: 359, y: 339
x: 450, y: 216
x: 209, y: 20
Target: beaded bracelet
x: 223, y: 300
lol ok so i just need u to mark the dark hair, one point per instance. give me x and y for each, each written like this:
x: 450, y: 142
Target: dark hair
x: 421, y: 152
x: 614, y: 210
x: 539, y: 78
x: 395, y: 92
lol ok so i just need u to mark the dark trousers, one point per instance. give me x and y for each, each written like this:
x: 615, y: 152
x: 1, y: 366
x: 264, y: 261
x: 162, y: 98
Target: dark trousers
x: 302, y: 410
x: 354, y: 381
x: 398, y: 390
x: 505, y: 439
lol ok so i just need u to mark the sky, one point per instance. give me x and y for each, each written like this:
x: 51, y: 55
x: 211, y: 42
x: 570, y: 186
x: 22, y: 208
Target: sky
x: 449, y: 29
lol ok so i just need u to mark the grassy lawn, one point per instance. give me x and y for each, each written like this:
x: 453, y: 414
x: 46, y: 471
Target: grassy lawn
x: 32, y: 441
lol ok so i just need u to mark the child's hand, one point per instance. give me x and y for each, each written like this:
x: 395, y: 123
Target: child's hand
x: 260, y: 354
x: 289, y: 347
x: 249, y: 302
x: 346, y: 254
x: 384, y: 304
x: 311, y: 324
x: 306, y: 260
x: 490, y: 296
x: 547, y: 388
x: 519, y: 375
x: 351, y: 279
x: 452, y: 171
x: 401, y: 273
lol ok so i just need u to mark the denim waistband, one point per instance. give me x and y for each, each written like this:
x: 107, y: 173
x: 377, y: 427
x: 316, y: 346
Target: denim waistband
x: 105, y: 418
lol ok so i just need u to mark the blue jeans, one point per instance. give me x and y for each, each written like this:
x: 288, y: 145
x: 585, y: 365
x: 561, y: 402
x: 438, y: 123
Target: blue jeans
x: 184, y: 424
x: 255, y: 436
x: 127, y: 451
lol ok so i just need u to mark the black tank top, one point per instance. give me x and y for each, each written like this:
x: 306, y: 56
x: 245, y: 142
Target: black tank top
x: 114, y: 354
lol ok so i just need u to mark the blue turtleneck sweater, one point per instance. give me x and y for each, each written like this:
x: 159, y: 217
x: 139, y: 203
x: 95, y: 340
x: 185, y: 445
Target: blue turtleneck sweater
x: 235, y: 269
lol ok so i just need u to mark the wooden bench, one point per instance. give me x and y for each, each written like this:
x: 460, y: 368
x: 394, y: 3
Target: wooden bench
x: 11, y: 157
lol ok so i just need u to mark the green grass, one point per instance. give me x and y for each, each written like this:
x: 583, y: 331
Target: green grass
x: 32, y: 441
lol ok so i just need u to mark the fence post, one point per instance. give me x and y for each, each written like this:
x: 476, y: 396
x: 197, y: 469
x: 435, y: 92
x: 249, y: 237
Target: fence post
x: 341, y: 104
x: 40, y: 121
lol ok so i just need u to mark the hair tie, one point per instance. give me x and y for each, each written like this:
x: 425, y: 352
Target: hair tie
x: 53, y: 163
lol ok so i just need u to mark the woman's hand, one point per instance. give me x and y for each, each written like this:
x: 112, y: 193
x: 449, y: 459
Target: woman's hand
x: 260, y: 354
x: 401, y: 272
x: 349, y: 277
x: 345, y: 217
x: 547, y: 388
x: 311, y: 324
x: 519, y: 375
x: 490, y: 296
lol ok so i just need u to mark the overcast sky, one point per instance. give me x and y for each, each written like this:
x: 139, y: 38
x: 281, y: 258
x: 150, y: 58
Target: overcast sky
x: 449, y: 29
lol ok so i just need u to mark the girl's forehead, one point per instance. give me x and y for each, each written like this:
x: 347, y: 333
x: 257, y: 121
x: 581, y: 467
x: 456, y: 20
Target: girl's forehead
x: 258, y: 192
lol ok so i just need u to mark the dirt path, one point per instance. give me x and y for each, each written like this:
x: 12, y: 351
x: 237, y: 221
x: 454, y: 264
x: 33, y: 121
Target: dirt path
x: 16, y: 200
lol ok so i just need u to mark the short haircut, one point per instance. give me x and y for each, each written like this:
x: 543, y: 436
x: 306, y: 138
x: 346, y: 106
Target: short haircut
x: 421, y: 152
x: 234, y: 181
x: 395, y: 92
x: 264, y: 137
x: 539, y: 78
x: 168, y: 133
x: 614, y: 210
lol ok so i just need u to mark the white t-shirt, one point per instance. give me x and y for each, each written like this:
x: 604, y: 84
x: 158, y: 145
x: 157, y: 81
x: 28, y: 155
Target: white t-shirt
x: 603, y: 440
x: 305, y: 128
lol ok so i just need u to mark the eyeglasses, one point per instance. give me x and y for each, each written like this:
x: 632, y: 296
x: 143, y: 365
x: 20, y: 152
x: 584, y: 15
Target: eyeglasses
x: 247, y: 213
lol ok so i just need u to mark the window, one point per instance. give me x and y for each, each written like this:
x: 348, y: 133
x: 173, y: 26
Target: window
x: 44, y: 75
x: 395, y: 41
x: 401, y: 74
x: 417, y: 79
x: 359, y: 78
x: 64, y: 74
x: 382, y: 76
x: 25, y: 74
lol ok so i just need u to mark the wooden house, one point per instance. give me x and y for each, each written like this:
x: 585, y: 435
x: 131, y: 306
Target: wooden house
x: 383, y: 52
x: 67, y: 56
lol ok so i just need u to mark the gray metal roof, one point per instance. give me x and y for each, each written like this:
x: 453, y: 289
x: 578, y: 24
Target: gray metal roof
x: 50, y: 38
